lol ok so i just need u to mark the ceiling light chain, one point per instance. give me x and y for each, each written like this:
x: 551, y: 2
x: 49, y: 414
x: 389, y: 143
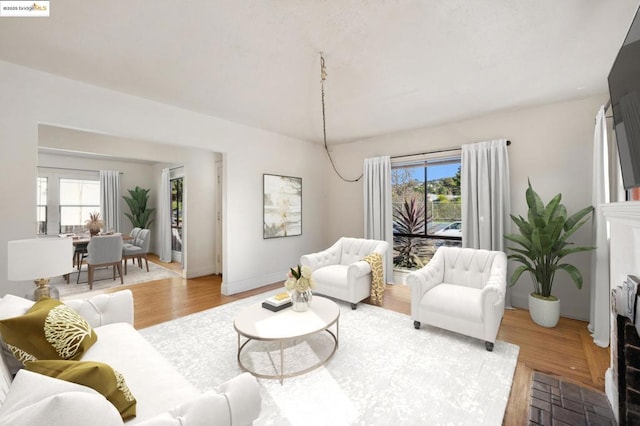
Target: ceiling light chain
x: 323, y: 78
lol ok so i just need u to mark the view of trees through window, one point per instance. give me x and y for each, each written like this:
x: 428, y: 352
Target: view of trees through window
x: 426, y: 210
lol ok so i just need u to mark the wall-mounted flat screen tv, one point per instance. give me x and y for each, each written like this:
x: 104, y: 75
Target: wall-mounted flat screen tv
x: 624, y: 89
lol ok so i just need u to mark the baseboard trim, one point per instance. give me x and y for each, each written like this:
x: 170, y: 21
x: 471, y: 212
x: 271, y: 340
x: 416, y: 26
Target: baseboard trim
x: 199, y: 272
x: 229, y: 288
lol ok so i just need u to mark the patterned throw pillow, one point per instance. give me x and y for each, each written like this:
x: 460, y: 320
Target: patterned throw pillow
x: 49, y: 330
x: 12, y: 306
x: 96, y: 375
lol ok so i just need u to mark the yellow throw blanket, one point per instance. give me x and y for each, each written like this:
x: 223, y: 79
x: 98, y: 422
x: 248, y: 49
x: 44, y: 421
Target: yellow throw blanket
x: 377, y: 277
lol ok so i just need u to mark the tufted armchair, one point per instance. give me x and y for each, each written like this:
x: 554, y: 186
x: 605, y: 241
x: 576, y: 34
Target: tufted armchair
x: 340, y: 272
x: 461, y: 290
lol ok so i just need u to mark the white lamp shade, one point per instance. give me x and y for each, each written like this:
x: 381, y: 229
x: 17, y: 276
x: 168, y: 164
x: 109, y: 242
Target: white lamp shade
x: 39, y: 258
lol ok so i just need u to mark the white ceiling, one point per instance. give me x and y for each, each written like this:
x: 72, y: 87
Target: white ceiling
x: 392, y: 64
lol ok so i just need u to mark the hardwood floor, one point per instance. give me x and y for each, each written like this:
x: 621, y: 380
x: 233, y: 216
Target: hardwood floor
x: 566, y: 350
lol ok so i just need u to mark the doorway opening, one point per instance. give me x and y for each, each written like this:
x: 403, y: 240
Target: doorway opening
x: 177, y: 185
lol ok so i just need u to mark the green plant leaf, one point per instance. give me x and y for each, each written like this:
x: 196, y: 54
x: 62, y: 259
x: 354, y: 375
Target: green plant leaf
x: 295, y: 273
x: 520, y: 239
x: 516, y: 275
x: 536, y: 220
x: 523, y: 225
x: 573, y: 229
x: 572, y: 250
x: 552, y: 210
x: 541, y: 240
x: 130, y: 217
x: 554, y: 228
x: 526, y: 253
x: 525, y: 260
x: 573, y: 272
x: 575, y: 218
x: 534, y: 201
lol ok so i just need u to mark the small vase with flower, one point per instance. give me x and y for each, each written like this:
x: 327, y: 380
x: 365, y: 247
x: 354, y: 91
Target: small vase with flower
x: 299, y: 283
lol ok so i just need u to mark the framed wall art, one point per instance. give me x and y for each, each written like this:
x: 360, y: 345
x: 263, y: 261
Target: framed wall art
x: 282, y: 206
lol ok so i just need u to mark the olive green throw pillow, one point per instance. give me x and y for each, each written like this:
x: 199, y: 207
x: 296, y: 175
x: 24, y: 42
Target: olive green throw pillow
x: 49, y: 330
x: 96, y: 375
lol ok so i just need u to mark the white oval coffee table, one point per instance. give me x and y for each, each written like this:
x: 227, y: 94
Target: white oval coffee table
x: 258, y: 323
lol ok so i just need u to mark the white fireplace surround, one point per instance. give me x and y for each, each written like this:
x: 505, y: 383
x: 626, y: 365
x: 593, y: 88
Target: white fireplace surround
x: 624, y: 256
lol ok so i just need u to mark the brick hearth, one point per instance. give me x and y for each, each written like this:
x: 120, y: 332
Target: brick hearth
x: 559, y: 403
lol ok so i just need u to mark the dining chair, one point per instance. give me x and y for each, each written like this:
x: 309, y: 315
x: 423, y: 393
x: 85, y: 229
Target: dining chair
x: 132, y: 237
x: 130, y: 243
x: 79, y: 253
x: 138, y: 250
x: 104, y: 251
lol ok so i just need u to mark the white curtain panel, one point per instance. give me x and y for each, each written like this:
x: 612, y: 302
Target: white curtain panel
x: 378, y: 218
x: 485, y: 188
x: 485, y: 194
x: 110, y: 199
x: 164, y: 217
x: 616, y: 188
x: 599, y: 312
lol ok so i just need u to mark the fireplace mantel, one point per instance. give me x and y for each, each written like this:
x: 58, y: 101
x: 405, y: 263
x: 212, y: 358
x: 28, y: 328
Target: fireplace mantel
x: 628, y: 212
x: 624, y: 256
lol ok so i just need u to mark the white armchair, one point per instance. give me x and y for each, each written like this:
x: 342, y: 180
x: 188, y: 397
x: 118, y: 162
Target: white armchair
x: 340, y: 272
x: 461, y: 290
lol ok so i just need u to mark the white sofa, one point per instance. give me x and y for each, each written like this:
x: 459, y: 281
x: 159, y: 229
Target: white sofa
x: 164, y: 396
x: 340, y: 272
x: 461, y: 290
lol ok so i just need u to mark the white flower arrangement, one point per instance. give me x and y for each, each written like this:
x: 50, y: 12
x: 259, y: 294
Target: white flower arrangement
x: 299, y: 279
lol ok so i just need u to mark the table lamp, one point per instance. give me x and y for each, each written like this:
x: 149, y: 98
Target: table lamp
x: 39, y: 259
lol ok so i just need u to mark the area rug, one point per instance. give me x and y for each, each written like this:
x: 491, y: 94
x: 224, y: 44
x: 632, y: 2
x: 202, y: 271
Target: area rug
x: 383, y: 372
x: 103, y: 279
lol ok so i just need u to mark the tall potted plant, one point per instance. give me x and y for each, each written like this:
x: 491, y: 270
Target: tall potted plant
x: 140, y: 216
x: 542, y: 244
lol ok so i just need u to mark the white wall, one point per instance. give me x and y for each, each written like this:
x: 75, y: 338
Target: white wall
x: 30, y: 98
x: 551, y: 144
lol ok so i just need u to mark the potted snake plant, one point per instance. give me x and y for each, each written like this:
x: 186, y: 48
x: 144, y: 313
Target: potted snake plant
x: 541, y: 244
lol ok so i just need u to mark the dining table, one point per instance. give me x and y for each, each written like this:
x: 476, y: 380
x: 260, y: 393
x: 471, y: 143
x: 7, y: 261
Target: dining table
x: 80, y: 243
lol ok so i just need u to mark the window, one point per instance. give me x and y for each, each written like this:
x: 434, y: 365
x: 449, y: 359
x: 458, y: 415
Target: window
x: 41, y: 205
x: 78, y: 198
x: 426, y: 209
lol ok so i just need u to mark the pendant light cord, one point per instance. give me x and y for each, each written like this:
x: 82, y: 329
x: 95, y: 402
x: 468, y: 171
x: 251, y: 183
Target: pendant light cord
x: 323, y: 78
